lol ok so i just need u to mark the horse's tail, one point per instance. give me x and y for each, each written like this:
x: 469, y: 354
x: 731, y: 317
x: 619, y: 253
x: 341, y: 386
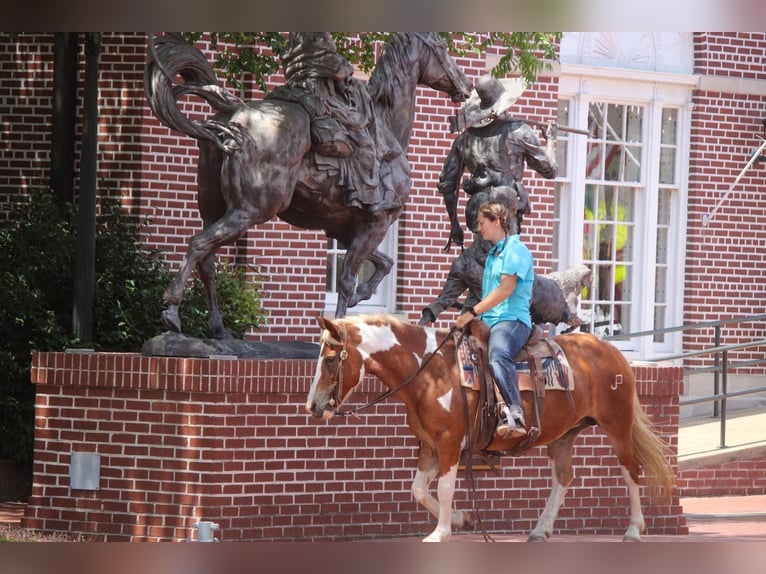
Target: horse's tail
x: 171, y: 56
x: 652, y: 453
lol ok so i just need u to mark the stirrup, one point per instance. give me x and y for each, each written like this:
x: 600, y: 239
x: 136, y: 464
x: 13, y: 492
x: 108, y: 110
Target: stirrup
x: 510, y: 426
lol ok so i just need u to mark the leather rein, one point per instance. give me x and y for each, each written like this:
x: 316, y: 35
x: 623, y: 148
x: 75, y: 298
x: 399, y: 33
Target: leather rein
x: 338, y: 377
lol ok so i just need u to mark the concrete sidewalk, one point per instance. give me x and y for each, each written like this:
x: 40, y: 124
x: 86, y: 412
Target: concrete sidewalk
x: 699, y: 438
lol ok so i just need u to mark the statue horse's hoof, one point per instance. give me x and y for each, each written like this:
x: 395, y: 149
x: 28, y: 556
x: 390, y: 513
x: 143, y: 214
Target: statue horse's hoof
x: 171, y: 321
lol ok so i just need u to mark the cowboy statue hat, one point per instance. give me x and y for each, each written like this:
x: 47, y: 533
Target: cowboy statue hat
x: 490, y: 98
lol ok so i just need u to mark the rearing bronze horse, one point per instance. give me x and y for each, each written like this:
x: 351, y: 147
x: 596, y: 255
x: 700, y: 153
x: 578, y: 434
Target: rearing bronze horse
x: 255, y: 161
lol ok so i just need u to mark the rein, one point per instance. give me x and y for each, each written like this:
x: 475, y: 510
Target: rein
x: 390, y: 392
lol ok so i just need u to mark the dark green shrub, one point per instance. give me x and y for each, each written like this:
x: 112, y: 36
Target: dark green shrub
x: 37, y: 253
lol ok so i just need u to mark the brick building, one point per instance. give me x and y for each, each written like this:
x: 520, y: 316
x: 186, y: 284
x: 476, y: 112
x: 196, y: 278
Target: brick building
x: 674, y: 117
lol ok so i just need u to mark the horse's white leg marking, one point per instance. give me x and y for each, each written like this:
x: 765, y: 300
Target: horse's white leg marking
x: 637, y: 525
x: 446, y: 400
x: 446, y: 488
x: 420, y: 491
x: 544, y: 527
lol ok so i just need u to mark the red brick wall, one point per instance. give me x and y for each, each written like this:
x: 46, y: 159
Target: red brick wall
x: 182, y: 440
x: 742, y: 477
x: 724, y: 261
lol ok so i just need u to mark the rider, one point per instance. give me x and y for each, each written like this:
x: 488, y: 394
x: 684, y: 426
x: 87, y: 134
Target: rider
x: 506, y: 293
x: 343, y: 128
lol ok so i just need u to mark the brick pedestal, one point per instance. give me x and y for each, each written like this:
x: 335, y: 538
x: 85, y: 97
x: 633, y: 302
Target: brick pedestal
x: 227, y: 440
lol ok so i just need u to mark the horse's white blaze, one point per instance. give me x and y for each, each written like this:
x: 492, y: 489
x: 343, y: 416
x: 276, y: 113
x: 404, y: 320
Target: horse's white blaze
x: 446, y: 400
x: 315, y: 382
x: 375, y: 339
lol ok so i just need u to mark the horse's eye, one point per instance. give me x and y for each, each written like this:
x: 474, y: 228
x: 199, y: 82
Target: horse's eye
x: 330, y: 360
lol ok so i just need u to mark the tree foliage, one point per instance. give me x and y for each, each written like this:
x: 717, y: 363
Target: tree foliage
x: 37, y: 252
x: 239, y: 54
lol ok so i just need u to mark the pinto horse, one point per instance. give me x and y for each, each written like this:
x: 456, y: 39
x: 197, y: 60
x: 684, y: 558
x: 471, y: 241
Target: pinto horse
x: 256, y: 160
x: 422, y: 367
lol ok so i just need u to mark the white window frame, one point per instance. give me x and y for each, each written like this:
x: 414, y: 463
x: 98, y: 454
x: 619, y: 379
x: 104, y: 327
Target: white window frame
x: 654, y: 91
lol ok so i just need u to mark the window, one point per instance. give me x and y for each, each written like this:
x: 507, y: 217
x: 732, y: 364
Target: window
x: 619, y: 206
x: 383, y: 301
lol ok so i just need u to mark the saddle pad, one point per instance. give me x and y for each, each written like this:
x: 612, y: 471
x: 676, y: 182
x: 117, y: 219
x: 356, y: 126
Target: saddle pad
x: 551, y: 374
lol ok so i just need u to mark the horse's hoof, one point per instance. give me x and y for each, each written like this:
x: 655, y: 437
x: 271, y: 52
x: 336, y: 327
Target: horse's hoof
x: 171, y: 321
x: 537, y: 538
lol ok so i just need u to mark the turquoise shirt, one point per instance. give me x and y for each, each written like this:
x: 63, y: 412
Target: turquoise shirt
x: 509, y: 257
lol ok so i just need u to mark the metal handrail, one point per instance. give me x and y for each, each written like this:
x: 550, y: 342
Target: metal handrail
x: 720, y: 369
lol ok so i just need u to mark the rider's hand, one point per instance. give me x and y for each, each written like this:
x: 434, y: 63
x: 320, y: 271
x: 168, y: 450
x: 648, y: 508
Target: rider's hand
x: 463, y: 320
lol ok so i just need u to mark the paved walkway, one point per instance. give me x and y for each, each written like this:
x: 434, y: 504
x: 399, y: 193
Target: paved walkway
x: 699, y: 439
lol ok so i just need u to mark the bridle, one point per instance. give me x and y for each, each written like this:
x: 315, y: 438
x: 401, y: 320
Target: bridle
x: 342, y: 356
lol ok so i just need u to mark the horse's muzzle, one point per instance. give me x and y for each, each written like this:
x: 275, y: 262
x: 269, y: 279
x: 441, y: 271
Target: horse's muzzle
x: 320, y: 412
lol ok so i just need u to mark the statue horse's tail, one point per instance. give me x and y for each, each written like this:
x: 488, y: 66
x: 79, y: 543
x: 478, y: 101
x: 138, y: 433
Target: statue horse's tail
x: 652, y: 454
x: 171, y: 56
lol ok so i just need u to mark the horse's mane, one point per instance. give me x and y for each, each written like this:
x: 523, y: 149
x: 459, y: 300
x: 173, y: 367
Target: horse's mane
x: 387, y: 77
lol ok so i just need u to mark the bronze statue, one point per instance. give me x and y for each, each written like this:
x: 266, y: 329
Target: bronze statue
x: 257, y: 159
x: 494, y: 148
x: 343, y: 130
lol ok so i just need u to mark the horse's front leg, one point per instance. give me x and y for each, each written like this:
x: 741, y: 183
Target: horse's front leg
x: 441, y: 509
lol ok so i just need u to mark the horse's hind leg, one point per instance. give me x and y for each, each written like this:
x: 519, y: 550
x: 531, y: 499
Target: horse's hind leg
x: 560, y: 453
x: 620, y: 435
x: 201, y: 247
x: 206, y: 270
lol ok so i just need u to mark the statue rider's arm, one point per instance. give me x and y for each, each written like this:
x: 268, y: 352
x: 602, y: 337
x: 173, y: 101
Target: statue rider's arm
x: 449, y: 181
x: 540, y: 158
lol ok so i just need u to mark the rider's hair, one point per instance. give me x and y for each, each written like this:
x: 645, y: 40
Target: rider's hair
x: 494, y: 211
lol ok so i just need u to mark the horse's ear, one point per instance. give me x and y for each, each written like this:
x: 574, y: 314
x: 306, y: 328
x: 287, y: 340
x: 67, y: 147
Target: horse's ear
x: 329, y: 325
x: 326, y: 323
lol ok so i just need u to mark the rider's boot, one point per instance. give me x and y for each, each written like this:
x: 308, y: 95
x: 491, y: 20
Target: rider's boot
x: 512, y: 423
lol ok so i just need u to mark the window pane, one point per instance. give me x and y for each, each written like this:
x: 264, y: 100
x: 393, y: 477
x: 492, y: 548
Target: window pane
x: 663, y: 207
x: 632, y: 168
x: 614, y: 123
x: 594, y: 169
x: 662, y: 245
x: 596, y: 119
x: 669, y: 126
x: 634, y: 123
x: 613, y: 167
x: 668, y: 165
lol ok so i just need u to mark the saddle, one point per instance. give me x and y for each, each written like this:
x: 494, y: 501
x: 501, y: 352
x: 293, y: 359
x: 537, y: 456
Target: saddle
x: 541, y: 364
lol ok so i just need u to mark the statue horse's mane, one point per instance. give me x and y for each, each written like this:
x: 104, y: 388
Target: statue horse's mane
x: 387, y: 75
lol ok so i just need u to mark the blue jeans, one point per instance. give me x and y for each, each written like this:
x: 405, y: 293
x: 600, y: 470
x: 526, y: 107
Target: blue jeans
x: 506, y: 339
